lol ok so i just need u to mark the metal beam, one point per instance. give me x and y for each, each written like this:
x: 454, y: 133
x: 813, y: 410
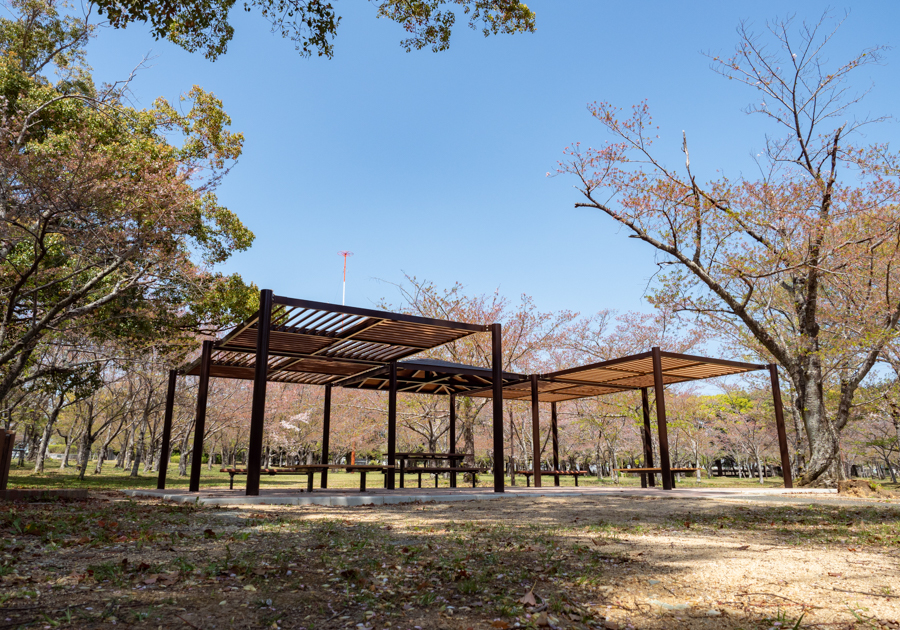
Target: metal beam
x: 167, y: 431
x: 200, y: 420
x: 258, y: 404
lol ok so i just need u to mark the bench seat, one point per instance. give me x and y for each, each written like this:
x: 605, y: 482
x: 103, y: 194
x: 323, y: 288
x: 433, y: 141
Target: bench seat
x: 310, y: 470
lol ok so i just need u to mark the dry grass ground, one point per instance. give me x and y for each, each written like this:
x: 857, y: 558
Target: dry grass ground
x: 544, y: 562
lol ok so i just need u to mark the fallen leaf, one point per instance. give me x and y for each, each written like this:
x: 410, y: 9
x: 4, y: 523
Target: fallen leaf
x: 500, y: 624
x: 528, y: 599
x: 742, y: 547
x: 249, y: 587
x: 208, y: 533
x: 150, y: 579
x: 835, y: 574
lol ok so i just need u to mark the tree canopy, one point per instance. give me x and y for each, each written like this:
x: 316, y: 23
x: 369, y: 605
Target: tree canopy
x: 197, y: 25
x: 109, y: 224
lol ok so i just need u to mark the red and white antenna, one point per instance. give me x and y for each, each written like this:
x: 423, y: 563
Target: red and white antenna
x: 345, y: 254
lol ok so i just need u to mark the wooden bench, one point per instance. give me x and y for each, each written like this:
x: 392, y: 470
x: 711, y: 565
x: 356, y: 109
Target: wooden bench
x: 440, y: 471
x: 556, y: 474
x: 645, y: 472
x: 310, y: 470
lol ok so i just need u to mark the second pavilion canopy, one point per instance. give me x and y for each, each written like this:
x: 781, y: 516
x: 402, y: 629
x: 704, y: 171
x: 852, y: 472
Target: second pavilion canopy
x: 620, y: 375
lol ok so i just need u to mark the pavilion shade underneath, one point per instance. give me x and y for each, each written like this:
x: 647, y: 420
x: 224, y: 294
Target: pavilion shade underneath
x: 430, y: 376
x: 315, y: 343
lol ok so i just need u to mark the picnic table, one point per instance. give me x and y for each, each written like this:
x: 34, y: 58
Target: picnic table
x: 553, y: 473
x: 454, y: 460
x: 644, y: 472
x: 310, y: 470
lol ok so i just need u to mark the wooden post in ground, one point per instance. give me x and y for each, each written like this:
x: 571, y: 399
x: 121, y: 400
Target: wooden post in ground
x: 554, y: 432
x: 452, y: 438
x: 535, y: 432
x: 649, y: 478
x: 659, y: 389
x: 167, y: 431
x: 497, y: 376
x: 782, y: 434
x: 200, y: 420
x: 326, y: 433
x: 258, y: 403
x: 392, y: 424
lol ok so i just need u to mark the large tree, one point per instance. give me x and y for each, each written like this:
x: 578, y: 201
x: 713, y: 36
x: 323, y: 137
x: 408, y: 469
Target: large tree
x: 109, y: 225
x: 798, y: 264
x: 312, y: 24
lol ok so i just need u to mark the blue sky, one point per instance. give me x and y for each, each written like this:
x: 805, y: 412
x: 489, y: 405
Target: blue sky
x: 434, y: 164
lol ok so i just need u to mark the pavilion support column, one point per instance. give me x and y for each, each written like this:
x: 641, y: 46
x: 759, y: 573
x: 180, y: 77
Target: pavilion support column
x: 452, y: 438
x: 535, y: 432
x: 167, y: 431
x: 779, y: 421
x: 648, y: 439
x: 554, y: 433
x: 326, y: 433
x: 392, y: 424
x: 665, y: 464
x: 258, y: 403
x: 200, y: 420
x: 497, y: 378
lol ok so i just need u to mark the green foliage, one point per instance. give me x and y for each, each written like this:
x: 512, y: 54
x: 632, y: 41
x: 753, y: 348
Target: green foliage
x: 110, y: 226
x: 311, y: 24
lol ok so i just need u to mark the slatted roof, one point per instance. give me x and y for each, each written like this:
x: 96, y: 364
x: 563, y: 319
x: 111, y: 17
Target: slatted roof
x: 622, y: 374
x: 319, y: 343
x: 430, y: 376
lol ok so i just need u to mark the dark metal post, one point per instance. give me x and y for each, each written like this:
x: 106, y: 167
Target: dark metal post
x: 452, y: 438
x: 554, y: 432
x: 167, y: 431
x: 326, y: 433
x: 664, y: 462
x: 258, y: 404
x: 535, y: 432
x: 200, y: 420
x: 782, y: 434
x: 392, y: 424
x: 497, y: 377
x: 648, y: 439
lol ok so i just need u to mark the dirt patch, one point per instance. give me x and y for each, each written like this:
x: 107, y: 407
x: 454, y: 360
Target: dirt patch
x: 865, y: 489
x: 642, y: 563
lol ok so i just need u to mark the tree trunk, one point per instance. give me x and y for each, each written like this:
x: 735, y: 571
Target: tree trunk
x: 824, y: 466
x: 45, y: 438
x: 86, y: 443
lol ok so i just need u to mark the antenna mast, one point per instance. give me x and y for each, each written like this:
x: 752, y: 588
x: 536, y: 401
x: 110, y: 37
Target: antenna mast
x: 345, y: 254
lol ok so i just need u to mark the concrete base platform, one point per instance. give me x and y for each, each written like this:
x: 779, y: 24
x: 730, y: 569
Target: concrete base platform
x: 349, y: 497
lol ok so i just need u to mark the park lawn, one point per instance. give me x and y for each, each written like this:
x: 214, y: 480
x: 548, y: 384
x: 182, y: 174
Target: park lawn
x: 117, y: 479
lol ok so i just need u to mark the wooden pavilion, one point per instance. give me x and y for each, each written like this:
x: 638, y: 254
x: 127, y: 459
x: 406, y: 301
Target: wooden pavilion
x: 655, y: 369
x: 299, y: 341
